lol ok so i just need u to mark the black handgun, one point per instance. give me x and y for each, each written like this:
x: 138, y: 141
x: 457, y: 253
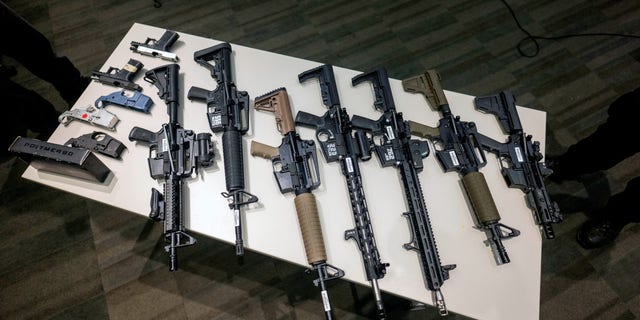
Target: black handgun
x: 174, y: 155
x: 521, y: 166
x: 122, y: 78
x: 157, y: 48
x: 228, y: 112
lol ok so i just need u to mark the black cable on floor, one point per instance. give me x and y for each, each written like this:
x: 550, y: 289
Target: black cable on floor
x: 534, y: 39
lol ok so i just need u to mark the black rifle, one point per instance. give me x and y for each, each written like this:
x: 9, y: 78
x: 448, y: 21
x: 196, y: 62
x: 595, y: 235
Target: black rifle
x: 174, y: 155
x: 396, y: 148
x: 295, y: 166
x: 228, y: 112
x: 521, y: 166
x: 461, y: 151
x: 334, y: 133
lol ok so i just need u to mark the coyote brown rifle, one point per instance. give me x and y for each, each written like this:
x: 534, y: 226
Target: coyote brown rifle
x: 396, y: 148
x: 523, y: 169
x: 461, y: 151
x: 295, y: 166
x: 228, y: 112
x: 174, y: 155
x: 334, y: 133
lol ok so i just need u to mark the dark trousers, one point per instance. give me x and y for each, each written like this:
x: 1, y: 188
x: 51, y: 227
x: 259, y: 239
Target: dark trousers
x: 23, y: 108
x: 613, y: 141
x: 22, y: 42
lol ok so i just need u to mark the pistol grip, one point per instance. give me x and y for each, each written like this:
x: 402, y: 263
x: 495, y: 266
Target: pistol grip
x: 140, y: 134
x: 422, y: 130
x: 308, y: 120
x: 262, y: 150
x: 197, y: 93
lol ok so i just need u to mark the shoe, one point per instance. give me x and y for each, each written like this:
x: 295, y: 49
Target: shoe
x: 598, y: 232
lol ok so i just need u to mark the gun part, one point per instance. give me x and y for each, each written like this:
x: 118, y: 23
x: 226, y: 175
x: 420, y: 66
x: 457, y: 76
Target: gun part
x: 335, y: 136
x: 137, y: 101
x: 227, y: 112
x: 91, y: 115
x: 292, y: 168
x: 396, y: 148
x: 461, y: 151
x: 99, y: 142
x: 122, y: 78
x: 157, y: 48
x: 60, y: 159
x: 521, y: 166
x: 174, y: 155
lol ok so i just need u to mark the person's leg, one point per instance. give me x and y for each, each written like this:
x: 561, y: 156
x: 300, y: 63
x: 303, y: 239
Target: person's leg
x: 612, y: 142
x: 620, y: 210
x: 25, y: 109
x: 33, y: 50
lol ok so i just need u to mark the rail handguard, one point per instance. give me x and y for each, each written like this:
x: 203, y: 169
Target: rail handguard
x: 396, y: 148
x: 339, y: 142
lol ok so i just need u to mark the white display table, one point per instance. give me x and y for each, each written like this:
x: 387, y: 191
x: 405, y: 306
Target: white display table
x: 477, y: 288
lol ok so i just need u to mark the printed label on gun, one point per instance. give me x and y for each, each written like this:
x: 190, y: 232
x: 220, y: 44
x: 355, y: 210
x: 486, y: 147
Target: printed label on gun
x: 325, y: 300
x: 454, y: 158
x: 216, y: 120
x: 165, y: 145
x: 389, y: 154
x: 332, y: 150
x: 390, y: 132
x: 349, y: 164
x: 519, y: 154
x: 236, y: 216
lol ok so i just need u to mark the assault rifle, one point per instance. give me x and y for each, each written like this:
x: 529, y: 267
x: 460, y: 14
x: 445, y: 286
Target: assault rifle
x: 396, y: 148
x: 295, y: 166
x: 228, y: 112
x: 174, y: 155
x: 521, y: 166
x: 334, y: 133
x: 461, y: 151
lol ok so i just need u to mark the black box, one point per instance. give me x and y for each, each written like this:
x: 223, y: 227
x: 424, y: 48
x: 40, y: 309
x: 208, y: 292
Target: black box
x: 76, y: 162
